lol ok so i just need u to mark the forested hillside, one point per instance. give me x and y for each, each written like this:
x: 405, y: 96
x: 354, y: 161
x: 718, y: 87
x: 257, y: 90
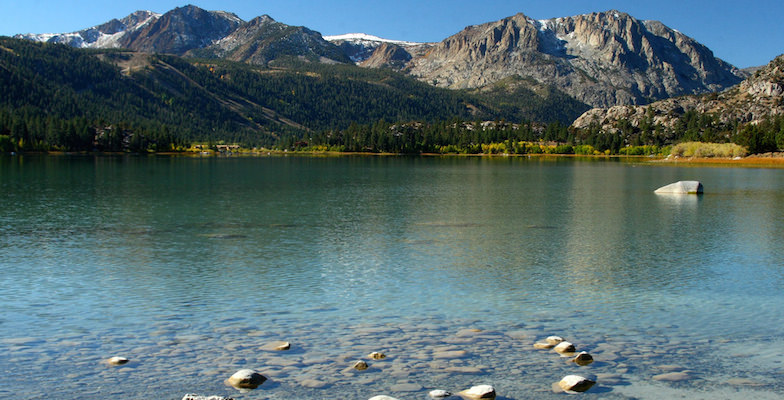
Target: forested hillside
x: 59, y: 98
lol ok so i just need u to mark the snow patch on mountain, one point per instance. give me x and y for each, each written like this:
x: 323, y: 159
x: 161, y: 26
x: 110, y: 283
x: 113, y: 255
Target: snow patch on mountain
x: 363, y: 37
x: 99, y: 36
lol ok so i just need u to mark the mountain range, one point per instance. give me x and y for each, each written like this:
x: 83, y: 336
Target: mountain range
x: 601, y: 59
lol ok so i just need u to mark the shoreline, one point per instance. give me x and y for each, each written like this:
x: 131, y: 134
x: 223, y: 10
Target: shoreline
x: 773, y: 160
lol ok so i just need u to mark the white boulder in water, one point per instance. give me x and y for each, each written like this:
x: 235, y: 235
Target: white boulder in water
x: 575, y: 383
x: 478, y: 392
x: 681, y: 187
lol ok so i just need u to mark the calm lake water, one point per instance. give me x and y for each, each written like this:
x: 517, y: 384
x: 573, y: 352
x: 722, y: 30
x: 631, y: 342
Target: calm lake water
x: 453, y: 267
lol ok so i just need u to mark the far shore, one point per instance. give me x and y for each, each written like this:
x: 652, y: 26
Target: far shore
x: 774, y: 160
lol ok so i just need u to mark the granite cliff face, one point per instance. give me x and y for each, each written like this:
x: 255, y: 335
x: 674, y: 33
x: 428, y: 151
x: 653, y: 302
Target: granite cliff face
x: 758, y: 97
x: 602, y: 59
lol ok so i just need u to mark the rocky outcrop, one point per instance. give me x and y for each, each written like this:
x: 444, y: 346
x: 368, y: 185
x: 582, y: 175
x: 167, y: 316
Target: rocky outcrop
x: 388, y: 55
x: 602, y: 59
x: 758, y: 97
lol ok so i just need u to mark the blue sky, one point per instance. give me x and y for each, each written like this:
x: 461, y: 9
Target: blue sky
x: 744, y: 33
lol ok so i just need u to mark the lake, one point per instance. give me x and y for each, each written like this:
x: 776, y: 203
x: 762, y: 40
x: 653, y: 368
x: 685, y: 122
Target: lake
x: 452, y: 266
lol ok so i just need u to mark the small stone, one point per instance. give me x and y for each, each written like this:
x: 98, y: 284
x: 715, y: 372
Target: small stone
x: 360, y: 365
x: 377, y: 356
x: 313, y: 383
x: 405, y: 387
x: 277, y: 346
x: 246, y: 379
x: 198, y: 397
x: 382, y: 397
x: 448, y: 354
x: 439, y: 394
x: 672, y: 377
x: 575, y: 383
x: 564, y: 347
x: 554, y: 340
x: 543, y: 346
x: 583, y: 359
x: 479, y: 392
x: 117, y: 360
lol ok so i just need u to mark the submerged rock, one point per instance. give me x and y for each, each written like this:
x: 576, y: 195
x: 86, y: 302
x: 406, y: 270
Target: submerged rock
x: 382, y: 397
x: 198, y: 397
x: 377, y: 356
x: 544, y: 346
x: 554, y: 340
x: 564, y: 347
x: 246, y: 379
x: 439, y: 394
x: 117, y: 360
x: 360, y: 365
x: 277, y: 346
x: 479, y: 392
x: 672, y: 377
x: 681, y: 187
x: 575, y: 383
x: 583, y: 359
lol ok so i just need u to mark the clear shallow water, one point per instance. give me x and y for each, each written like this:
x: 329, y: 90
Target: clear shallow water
x: 188, y: 266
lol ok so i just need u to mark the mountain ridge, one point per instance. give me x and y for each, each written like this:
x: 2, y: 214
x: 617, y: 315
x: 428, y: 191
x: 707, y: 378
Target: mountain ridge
x: 601, y: 58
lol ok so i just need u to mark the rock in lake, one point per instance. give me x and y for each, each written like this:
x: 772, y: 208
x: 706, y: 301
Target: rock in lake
x: 377, y: 356
x: 478, y: 392
x: 583, y: 359
x: 564, y: 347
x: 681, y: 187
x: 575, y: 383
x: 117, y: 360
x: 360, y: 365
x: 198, y: 397
x: 382, y: 397
x: 544, y: 346
x: 277, y: 346
x: 439, y: 394
x: 554, y: 340
x: 246, y: 379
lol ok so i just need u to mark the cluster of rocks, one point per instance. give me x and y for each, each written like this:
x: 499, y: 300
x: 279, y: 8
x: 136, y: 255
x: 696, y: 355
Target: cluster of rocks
x: 569, y: 383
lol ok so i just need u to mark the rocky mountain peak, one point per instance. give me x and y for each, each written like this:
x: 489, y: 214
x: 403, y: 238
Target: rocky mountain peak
x: 263, y: 39
x: 182, y: 29
x: 602, y: 58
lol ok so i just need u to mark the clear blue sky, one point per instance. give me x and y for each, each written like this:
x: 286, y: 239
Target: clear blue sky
x: 744, y: 33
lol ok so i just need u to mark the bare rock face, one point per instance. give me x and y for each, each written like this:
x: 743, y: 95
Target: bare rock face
x: 758, y: 97
x: 263, y: 39
x: 388, y: 55
x: 180, y: 30
x: 602, y: 59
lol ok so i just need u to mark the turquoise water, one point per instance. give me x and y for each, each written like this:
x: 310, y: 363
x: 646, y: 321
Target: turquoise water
x: 453, y: 267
